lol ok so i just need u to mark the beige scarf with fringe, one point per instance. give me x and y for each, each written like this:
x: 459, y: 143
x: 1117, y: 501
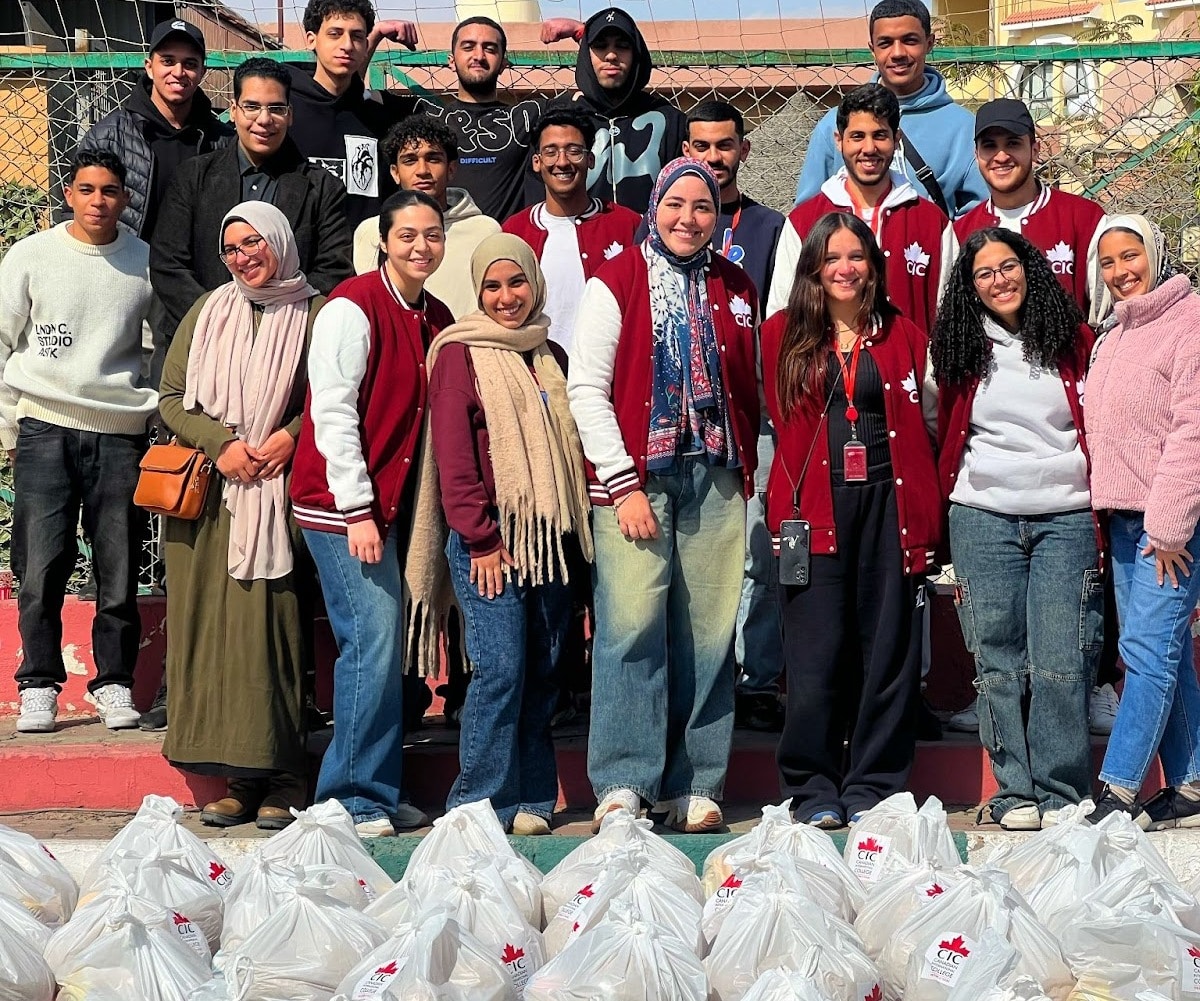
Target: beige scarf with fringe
x: 537, y: 461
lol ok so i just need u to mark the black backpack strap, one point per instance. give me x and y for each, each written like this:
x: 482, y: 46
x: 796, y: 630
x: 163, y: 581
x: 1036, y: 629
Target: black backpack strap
x: 924, y: 173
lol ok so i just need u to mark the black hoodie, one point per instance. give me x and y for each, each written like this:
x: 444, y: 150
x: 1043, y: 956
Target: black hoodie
x: 342, y: 134
x: 637, y: 133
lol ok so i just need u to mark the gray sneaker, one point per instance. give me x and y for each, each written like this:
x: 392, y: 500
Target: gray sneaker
x: 114, y: 705
x: 39, y: 706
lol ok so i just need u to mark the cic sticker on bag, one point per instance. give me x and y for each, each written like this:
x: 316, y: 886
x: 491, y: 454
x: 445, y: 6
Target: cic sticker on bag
x: 1189, y: 969
x: 190, y: 935
x: 945, y: 958
x: 375, y: 982
x: 869, y: 852
x: 723, y: 898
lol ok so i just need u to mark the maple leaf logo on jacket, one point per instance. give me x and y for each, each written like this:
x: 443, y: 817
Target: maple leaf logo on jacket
x: 916, y: 260
x: 1062, y: 258
x: 870, y: 845
x: 612, y: 250
x: 390, y: 970
x: 909, y: 385
x: 511, y: 954
x: 956, y: 945
x: 742, y: 311
x: 875, y: 995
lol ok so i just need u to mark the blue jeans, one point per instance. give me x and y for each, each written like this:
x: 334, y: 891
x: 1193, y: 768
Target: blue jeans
x: 662, y: 671
x: 363, y: 765
x: 1030, y: 601
x: 58, y: 472
x: 1160, y: 705
x: 514, y: 641
x: 758, y: 645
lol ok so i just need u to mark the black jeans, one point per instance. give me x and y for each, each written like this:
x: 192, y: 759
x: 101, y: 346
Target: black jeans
x: 57, y: 471
x: 852, y: 651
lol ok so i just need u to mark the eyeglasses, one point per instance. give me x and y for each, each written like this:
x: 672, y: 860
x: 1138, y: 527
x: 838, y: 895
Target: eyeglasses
x: 987, y: 276
x: 574, y: 154
x: 249, y: 248
x: 252, y: 109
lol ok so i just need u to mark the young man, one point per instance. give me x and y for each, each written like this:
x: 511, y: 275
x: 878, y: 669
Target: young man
x: 165, y: 121
x: 424, y: 157
x: 934, y: 154
x: 75, y: 399
x: 636, y: 133
x: 336, y: 122
x: 571, y: 232
x: 747, y: 234
x: 1059, y: 224
x: 263, y: 165
x: 493, y: 138
x: 917, y: 239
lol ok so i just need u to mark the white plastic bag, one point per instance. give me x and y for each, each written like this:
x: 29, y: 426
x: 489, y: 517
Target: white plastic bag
x: 647, y: 894
x: 302, y: 951
x: 164, y: 878
x: 435, y: 958
x: 472, y: 828
x: 93, y: 920
x: 324, y: 834
x: 261, y: 888
x: 772, y: 928
x: 894, y: 902
x: 39, y: 897
x: 156, y: 827
x: 623, y: 959
x: 777, y: 832
x: 620, y: 833
x: 994, y: 959
x: 895, y: 832
x: 785, y: 985
x: 400, y: 905
x: 1138, y: 891
x: 1116, y: 958
x: 37, y: 860
x: 930, y: 950
x: 19, y: 921
x: 132, y: 961
x: 24, y: 975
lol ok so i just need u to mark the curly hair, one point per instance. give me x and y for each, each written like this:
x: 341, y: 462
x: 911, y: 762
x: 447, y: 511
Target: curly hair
x: 417, y: 129
x: 1049, y: 318
x: 804, y: 348
x: 317, y: 11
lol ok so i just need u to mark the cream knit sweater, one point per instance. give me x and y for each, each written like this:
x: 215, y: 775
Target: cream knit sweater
x: 1143, y: 413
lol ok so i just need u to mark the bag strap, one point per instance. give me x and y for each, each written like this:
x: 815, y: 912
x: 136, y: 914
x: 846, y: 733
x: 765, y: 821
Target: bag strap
x: 798, y: 483
x: 924, y: 173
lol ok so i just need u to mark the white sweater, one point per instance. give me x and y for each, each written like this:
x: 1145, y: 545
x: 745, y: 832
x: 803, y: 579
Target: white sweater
x: 75, y: 347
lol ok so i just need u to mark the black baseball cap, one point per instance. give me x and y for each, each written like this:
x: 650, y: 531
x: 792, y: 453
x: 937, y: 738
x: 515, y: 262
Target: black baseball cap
x: 1004, y: 113
x: 609, y: 19
x: 177, y: 28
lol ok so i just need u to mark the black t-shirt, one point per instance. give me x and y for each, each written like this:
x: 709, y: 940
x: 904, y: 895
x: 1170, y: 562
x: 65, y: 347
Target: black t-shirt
x: 872, y: 416
x: 493, y: 151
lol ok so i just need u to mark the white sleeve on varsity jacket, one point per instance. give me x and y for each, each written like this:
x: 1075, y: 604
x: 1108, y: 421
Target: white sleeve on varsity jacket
x: 787, y: 253
x: 337, y: 362
x: 590, y: 377
x: 949, y: 256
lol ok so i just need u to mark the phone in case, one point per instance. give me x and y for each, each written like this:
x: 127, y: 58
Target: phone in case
x: 795, y: 553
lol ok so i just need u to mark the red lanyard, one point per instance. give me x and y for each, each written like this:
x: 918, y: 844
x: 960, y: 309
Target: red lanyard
x: 849, y: 378
x: 876, y: 223
x: 727, y: 239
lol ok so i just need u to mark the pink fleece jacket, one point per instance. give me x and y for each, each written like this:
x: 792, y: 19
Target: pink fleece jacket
x: 1143, y: 413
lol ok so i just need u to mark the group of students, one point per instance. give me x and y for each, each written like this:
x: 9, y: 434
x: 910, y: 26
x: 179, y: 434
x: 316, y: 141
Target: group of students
x: 469, y: 425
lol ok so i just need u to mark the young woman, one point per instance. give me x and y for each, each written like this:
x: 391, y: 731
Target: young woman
x: 663, y: 389
x: 233, y: 384
x: 854, y: 473
x: 506, y: 471
x: 352, y: 495
x: 1010, y: 352
x: 1143, y: 399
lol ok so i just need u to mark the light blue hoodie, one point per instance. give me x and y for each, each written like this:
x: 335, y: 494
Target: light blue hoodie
x: 942, y: 132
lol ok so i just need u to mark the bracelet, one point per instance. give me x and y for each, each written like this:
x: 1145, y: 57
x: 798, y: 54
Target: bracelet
x: 619, y: 501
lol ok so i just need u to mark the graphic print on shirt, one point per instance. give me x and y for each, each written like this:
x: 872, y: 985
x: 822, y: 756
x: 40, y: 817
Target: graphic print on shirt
x: 52, y: 338
x: 610, y: 146
x: 358, y: 170
x: 916, y: 260
x: 737, y: 253
x: 1062, y: 258
x: 480, y: 140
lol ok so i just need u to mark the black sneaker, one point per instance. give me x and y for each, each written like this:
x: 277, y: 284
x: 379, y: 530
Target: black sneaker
x: 928, y: 726
x: 761, y: 711
x: 154, y: 719
x: 1109, y: 802
x: 1167, y: 809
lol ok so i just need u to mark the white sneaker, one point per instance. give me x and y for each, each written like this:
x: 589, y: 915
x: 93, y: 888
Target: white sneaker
x: 1050, y: 818
x: 966, y: 721
x: 694, y: 815
x: 39, y: 706
x: 381, y: 827
x: 114, y: 705
x: 618, y: 799
x: 1103, y: 711
x: 408, y: 817
x: 1022, y: 818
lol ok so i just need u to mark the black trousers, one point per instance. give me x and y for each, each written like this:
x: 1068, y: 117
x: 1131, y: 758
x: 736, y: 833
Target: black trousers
x: 852, y: 652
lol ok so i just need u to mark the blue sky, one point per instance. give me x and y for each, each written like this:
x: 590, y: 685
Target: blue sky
x: 662, y: 10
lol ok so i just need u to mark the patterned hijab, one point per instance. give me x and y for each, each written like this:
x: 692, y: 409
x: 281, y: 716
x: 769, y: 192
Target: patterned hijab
x: 688, y: 412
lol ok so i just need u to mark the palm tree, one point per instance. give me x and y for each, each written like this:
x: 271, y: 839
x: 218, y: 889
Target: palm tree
x: 1096, y: 29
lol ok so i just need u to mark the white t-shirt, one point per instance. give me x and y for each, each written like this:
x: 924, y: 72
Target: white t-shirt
x: 563, y: 268
x: 1010, y: 219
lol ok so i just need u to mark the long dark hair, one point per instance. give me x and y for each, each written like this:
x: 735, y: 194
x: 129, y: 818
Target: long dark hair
x: 1049, y: 317
x: 804, y: 350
